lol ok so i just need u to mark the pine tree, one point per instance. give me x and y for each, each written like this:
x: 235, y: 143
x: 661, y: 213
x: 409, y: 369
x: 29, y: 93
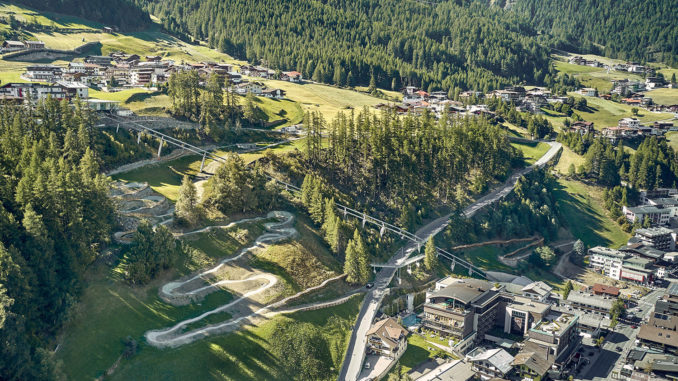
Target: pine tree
x: 430, y: 255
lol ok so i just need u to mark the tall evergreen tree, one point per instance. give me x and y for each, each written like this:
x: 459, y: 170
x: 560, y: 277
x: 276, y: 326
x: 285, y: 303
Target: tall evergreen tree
x: 430, y: 255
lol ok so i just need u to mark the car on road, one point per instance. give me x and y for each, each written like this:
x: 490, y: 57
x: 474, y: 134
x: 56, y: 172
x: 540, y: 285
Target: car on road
x: 369, y: 285
x: 619, y: 349
x: 634, y: 326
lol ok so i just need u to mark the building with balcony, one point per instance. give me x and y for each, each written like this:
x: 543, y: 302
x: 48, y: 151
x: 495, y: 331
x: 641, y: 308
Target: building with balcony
x: 387, y: 338
x: 607, y: 261
x: 551, y: 345
x: 660, y: 238
x: 460, y: 307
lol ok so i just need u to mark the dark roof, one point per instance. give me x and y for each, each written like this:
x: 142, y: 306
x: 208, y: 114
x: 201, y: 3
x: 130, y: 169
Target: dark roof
x: 672, y: 289
x: 464, y: 291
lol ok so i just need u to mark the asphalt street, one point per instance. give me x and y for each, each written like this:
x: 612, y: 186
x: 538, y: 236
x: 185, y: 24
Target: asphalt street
x: 356, y: 348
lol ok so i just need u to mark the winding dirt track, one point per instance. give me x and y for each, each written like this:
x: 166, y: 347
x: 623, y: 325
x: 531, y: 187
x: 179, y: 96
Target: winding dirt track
x: 194, y: 288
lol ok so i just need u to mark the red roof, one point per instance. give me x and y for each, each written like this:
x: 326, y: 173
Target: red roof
x: 604, y: 289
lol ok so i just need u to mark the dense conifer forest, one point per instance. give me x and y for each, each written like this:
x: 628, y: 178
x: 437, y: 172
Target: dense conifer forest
x: 437, y: 47
x: 54, y: 216
x: 625, y: 29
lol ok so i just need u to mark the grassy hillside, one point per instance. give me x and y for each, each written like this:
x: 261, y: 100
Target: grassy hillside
x: 531, y: 151
x: 581, y: 209
x: 664, y: 96
x: 606, y: 113
x: 328, y: 100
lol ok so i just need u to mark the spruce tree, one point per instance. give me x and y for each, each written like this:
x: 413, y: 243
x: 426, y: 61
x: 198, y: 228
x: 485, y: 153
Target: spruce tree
x: 187, y: 203
x: 316, y: 207
x: 351, y: 264
x: 430, y: 255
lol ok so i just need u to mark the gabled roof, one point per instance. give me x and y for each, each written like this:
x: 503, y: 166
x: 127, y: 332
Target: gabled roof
x: 538, y: 287
x: 498, y: 357
x: 532, y: 361
x: 605, y: 289
x: 388, y: 330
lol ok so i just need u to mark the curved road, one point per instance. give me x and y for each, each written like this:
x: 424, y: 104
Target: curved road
x: 355, y: 352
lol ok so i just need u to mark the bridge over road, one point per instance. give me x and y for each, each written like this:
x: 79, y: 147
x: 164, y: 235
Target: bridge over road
x: 355, y: 353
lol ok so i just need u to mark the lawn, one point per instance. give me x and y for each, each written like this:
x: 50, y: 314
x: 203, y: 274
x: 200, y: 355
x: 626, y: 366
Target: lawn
x: 328, y: 100
x: 604, y: 113
x: 581, y: 210
x: 531, y: 151
x: 417, y: 352
x: 568, y: 157
x: 664, y: 96
x: 672, y: 138
x: 284, y: 109
x: 164, y: 178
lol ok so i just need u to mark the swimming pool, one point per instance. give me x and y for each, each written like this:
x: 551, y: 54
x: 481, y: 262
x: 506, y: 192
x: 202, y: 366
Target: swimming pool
x: 411, y: 320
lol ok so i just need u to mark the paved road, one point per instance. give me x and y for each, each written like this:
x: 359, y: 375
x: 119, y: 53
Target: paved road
x: 356, y: 348
x: 609, y: 360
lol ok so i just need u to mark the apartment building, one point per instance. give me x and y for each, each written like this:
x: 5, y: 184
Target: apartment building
x: 460, y: 307
x: 607, y: 261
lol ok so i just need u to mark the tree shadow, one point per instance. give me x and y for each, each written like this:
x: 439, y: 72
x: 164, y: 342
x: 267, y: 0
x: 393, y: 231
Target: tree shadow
x: 580, y: 217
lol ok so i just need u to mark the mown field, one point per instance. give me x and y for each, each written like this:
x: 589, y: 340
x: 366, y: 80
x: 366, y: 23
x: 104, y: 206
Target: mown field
x: 604, y: 113
x: 664, y: 96
x: 531, y: 151
x: 581, y: 211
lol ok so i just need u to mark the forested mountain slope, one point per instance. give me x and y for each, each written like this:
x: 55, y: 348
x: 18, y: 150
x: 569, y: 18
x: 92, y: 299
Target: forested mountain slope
x: 119, y: 13
x: 626, y: 29
x: 441, y: 46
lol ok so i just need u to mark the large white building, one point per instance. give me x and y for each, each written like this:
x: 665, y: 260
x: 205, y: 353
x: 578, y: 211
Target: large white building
x: 607, y: 261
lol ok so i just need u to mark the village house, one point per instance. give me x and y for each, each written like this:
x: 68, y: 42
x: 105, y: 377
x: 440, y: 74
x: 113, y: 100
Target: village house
x: 43, y: 73
x: 633, y: 123
x: 654, y: 82
x: 587, y: 301
x: 582, y: 128
x: 34, y: 45
x: 461, y: 307
x: 588, y: 92
x: 74, y: 89
x: 387, y: 338
x: 606, y: 261
x: 273, y: 93
x: 291, y: 76
x: 490, y: 363
x: 33, y: 91
x: 657, y: 215
x: 551, y: 345
x: 537, y: 291
x: 100, y: 60
x: 244, y: 88
x: 602, y: 289
x: 12, y: 46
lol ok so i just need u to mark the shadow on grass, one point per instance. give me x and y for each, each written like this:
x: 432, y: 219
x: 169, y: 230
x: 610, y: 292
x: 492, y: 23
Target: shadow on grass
x: 580, y: 217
